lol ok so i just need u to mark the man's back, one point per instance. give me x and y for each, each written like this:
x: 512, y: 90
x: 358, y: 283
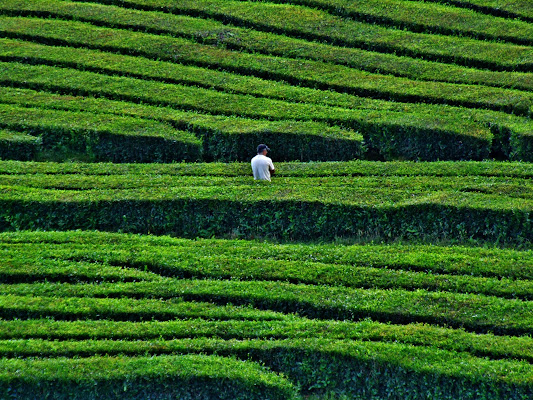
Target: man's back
x: 261, y: 167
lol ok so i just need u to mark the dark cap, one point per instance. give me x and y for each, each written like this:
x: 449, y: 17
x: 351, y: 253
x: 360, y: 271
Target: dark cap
x: 261, y: 148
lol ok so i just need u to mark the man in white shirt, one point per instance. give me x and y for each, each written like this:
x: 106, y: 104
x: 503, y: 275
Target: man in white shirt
x: 262, y: 166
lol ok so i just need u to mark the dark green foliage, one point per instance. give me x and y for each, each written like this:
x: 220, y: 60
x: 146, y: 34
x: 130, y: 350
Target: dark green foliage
x: 505, y: 8
x: 292, y: 327
x: 105, y: 137
x: 475, y: 313
x: 156, y: 378
x: 224, y: 138
x: 397, y: 371
x: 95, y: 323
x: 522, y: 147
x: 18, y: 145
x: 434, y: 301
x: 291, y: 208
x: 192, y: 262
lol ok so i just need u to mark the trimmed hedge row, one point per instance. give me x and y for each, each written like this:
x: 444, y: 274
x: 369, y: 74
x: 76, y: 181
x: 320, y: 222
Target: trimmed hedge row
x: 494, y: 192
x: 452, y: 260
x: 184, y: 377
x: 70, y: 308
x: 297, y: 21
x: 474, y: 312
x: 307, y: 73
x: 215, y: 267
x: 358, y: 168
x: 18, y: 145
x: 292, y: 208
x: 506, y: 8
x: 480, y: 345
x: 104, y: 136
x: 230, y: 138
x: 98, y: 61
x: 352, y: 368
x: 413, y: 135
x: 185, y: 263
x: 138, y: 44
x: 224, y: 137
x: 421, y: 17
x: 18, y: 268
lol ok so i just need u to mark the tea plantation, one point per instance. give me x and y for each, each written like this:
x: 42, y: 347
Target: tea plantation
x: 390, y: 257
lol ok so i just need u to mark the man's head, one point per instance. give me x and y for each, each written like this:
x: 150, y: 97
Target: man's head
x: 262, y: 149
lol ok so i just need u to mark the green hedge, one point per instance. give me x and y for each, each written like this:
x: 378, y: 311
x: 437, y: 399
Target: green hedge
x: 164, y: 377
x: 240, y: 135
x: 413, y: 135
x: 480, y: 345
x: 110, y: 63
x: 476, y: 313
x: 292, y: 20
x: 505, y: 264
x: 505, y: 8
x: 308, y: 73
x: 104, y: 136
x: 291, y: 208
x: 125, y: 309
x: 354, y: 369
x: 522, y: 146
x: 16, y: 268
x: 18, y: 145
x: 175, y: 73
x: 224, y: 137
x: 350, y: 169
x: 168, y: 49
x: 422, y: 17
x: 185, y: 263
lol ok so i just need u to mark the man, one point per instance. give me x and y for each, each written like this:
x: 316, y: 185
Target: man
x: 262, y: 166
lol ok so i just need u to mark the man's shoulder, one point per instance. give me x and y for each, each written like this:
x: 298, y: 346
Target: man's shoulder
x: 260, y: 157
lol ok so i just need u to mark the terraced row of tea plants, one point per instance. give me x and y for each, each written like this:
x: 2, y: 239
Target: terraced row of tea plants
x: 319, y: 80
x: 121, y: 316
x: 168, y: 272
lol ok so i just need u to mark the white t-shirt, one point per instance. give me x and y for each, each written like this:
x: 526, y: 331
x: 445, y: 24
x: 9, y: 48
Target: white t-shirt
x: 261, y: 166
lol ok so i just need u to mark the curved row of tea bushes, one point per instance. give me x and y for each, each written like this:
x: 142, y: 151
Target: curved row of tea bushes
x: 408, y: 135
x: 308, y: 73
x: 137, y: 67
x: 347, y: 169
x: 70, y: 266
x: 16, y: 268
x: 292, y: 208
x: 296, y: 21
x: 507, y: 8
x: 103, y: 137
x: 480, y: 345
x: 224, y: 138
x: 185, y: 377
x: 276, y: 45
x: 68, y: 308
x: 422, y: 17
x: 133, y: 251
x: 234, y: 138
x: 348, y: 367
x: 137, y: 302
x: 16, y: 145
